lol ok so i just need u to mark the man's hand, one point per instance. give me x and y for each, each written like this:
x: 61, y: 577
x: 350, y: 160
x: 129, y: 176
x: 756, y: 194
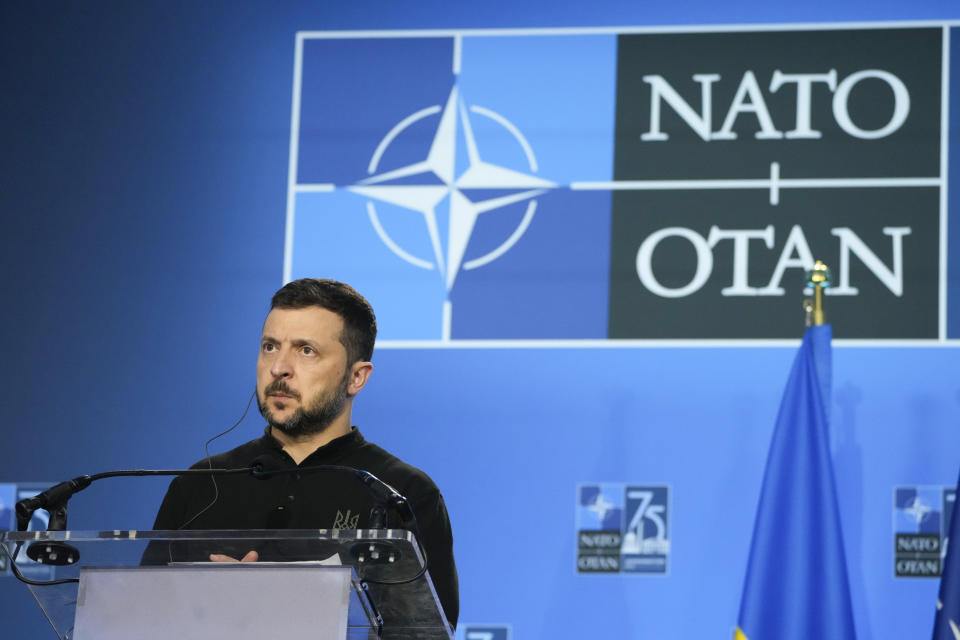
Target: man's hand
x: 252, y: 556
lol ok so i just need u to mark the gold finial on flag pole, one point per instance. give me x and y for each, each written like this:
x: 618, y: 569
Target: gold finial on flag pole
x: 818, y: 279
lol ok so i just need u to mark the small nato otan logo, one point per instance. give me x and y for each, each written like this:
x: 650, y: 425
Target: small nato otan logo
x: 484, y: 632
x: 921, y: 518
x: 622, y: 528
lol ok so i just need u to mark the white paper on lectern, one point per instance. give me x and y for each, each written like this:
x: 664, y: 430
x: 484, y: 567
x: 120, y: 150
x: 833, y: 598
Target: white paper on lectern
x: 216, y: 602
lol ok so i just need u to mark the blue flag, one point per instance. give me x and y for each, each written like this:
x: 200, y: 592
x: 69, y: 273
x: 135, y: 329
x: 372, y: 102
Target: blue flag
x: 796, y: 586
x: 947, y: 624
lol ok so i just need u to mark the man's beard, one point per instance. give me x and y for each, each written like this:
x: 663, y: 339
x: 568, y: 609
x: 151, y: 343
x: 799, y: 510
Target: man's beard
x: 312, y: 418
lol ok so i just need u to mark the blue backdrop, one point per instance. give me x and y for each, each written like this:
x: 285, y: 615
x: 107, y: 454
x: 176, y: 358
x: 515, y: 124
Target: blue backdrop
x: 144, y: 161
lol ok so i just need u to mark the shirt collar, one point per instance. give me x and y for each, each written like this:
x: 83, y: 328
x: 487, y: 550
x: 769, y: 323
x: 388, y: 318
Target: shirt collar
x: 336, y: 446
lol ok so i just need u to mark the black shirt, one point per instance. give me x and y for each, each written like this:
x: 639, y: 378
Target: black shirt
x: 319, y: 500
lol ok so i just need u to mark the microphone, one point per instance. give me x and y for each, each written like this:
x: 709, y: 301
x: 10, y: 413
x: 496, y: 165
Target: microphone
x: 51, y: 499
x: 54, y: 500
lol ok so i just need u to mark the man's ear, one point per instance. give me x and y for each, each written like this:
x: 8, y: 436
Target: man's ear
x: 359, y: 374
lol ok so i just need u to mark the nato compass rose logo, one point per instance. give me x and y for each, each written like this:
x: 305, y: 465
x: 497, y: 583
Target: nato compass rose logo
x: 447, y: 195
x: 416, y: 159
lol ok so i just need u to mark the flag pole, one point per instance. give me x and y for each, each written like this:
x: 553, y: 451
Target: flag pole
x: 796, y: 585
x: 818, y: 279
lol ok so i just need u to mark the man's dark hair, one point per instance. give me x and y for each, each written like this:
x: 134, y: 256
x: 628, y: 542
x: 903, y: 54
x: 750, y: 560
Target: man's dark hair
x: 359, y: 324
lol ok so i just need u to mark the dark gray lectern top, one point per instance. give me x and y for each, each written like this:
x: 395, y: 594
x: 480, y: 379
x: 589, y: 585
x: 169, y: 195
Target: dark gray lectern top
x: 391, y: 597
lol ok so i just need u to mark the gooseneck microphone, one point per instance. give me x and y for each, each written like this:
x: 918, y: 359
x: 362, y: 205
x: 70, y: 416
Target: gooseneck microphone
x: 54, y: 500
x: 50, y: 499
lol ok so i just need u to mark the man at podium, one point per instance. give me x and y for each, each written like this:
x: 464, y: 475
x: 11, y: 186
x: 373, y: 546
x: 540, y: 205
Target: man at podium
x: 314, y: 359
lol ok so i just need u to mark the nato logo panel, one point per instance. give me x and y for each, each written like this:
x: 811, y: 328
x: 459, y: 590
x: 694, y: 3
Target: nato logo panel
x: 472, y: 184
x: 921, y: 517
x: 623, y: 528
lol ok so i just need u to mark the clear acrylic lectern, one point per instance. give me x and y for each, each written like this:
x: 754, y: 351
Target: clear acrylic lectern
x: 153, y: 585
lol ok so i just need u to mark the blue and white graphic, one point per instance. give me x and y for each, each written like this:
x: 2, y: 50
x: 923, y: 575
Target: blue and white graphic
x: 433, y: 179
x: 514, y: 185
x: 415, y: 187
x: 646, y: 542
x: 918, y: 509
x: 600, y: 507
x: 921, y: 517
x: 622, y: 528
x: 484, y: 632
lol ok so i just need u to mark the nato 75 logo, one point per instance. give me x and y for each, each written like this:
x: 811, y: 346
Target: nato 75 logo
x: 623, y: 528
